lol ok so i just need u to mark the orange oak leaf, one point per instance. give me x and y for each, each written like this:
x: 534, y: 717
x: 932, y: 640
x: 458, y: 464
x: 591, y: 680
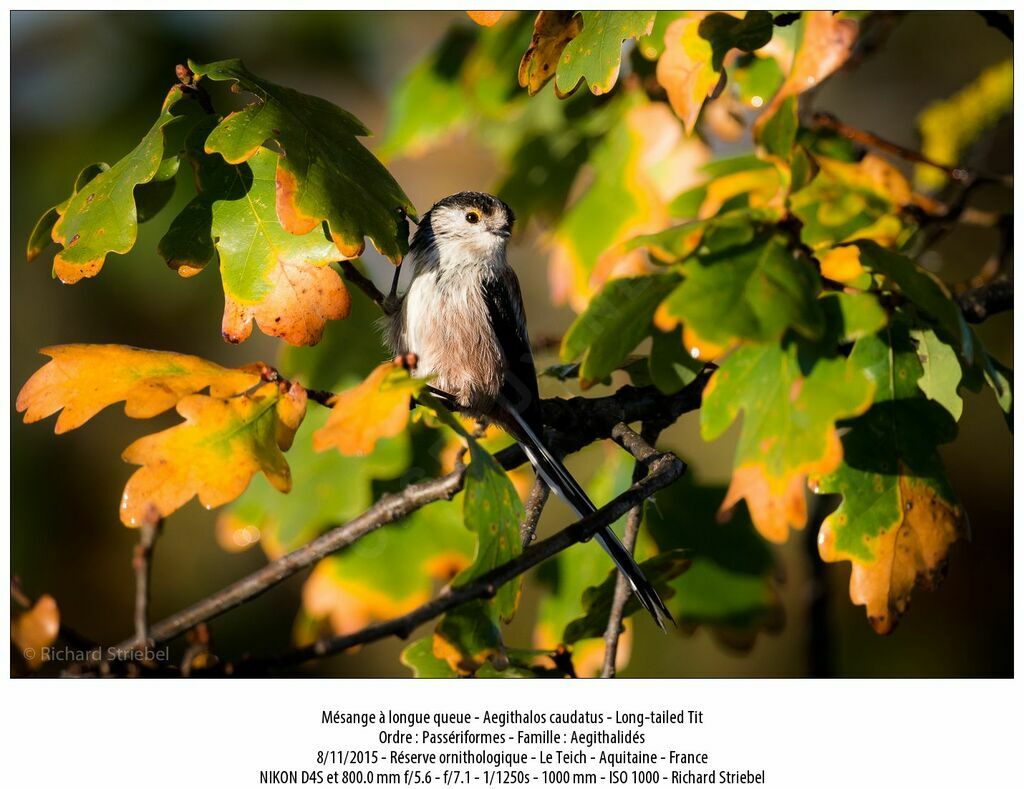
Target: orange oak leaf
x: 827, y: 43
x: 214, y: 453
x: 84, y: 379
x: 35, y: 629
x: 375, y: 409
x: 485, y: 18
x: 301, y: 300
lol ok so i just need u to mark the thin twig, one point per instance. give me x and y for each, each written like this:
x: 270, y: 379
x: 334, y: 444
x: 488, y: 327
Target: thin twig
x: 142, y: 558
x: 534, y: 507
x: 663, y: 471
x: 641, y: 447
x: 576, y: 423
x: 361, y: 281
x: 962, y: 175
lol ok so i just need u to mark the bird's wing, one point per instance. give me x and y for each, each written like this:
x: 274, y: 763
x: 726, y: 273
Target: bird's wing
x: 504, y: 302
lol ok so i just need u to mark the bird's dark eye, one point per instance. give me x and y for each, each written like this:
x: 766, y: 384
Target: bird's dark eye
x: 472, y: 217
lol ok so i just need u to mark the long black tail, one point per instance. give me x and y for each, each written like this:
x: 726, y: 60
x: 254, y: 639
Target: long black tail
x: 568, y: 489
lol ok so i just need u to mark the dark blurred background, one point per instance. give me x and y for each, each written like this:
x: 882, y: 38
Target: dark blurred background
x: 86, y: 86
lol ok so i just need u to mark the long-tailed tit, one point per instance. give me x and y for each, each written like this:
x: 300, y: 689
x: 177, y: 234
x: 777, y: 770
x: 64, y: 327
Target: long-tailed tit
x: 462, y: 318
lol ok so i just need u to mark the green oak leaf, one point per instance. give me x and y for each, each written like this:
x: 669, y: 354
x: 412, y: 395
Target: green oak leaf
x: 792, y: 394
x: 102, y: 215
x: 41, y: 237
x: 595, y: 54
x: 278, y: 278
x: 325, y: 174
x: 898, y: 516
x: 725, y: 32
x: 731, y: 586
x: 925, y: 290
x: 752, y: 293
x: 492, y: 509
x: 616, y: 320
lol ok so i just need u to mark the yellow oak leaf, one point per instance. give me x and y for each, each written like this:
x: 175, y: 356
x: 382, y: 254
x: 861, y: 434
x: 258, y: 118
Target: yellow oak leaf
x: 485, y: 18
x: 214, y: 453
x: 35, y: 629
x: 911, y: 552
x: 375, y: 409
x: 684, y: 69
x: 84, y: 379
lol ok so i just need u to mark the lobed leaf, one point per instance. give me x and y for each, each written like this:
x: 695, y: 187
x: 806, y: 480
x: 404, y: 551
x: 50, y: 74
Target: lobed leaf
x: 750, y: 293
x: 792, y: 396
x: 685, y: 70
x: 214, y: 454
x: 375, y: 409
x: 102, y: 214
x: 614, y: 323
x: 82, y: 380
x: 898, y: 517
x: 279, y: 279
x: 325, y: 174
x: 595, y: 53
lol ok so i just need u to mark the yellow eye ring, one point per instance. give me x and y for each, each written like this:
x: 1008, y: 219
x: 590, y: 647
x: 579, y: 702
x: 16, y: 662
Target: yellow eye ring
x: 472, y: 217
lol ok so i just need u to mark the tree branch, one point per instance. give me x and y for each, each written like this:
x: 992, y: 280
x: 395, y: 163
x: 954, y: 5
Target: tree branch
x: 575, y: 423
x: 663, y: 470
x: 534, y: 508
x: 361, y: 281
x: 979, y: 304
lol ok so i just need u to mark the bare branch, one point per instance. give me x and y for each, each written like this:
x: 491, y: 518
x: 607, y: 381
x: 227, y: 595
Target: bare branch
x: 979, y: 304
x: 142, y: 565
x: 534, y: 508
x: 575, y: 423
x: 824, y: 120
x: 642, y: 448
x: 361, y: 281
